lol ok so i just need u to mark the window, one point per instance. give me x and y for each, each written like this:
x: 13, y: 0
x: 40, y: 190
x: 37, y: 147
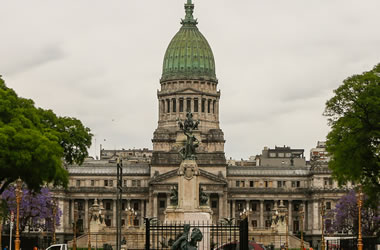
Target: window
x: 330, y: 182
x: 174, y: 105
x: 213, y: 106
x: 266, y: 184
x: 288, y: 154
x: 254, y: 223
x: 108, y: 205
x: 267, y: 207
x: 136, y: 206
x: 328, y: 205
x: 281, y: 155
x: 110, y: 183
x: 168, y: 106
x: 124, y: 183
x: 214, y: 204
x: 298, y: 183
x: 242, y: 183
x: 163, y: 106
x: 106, y: 183
x: 296, y: 207
x: 180, y: 105
x: 293, y: 184
x: 188, y: 105
x: 272, y: 155
x: 203, y: 105
x: 254, y: 207
x: 209, y: 106
x: 251, y: 183
x: 92, y: 183
x: 279, y: 184
x: 162, y: 204
x: 195, y: 105
x: 78, y: 183
x: 237, y: 183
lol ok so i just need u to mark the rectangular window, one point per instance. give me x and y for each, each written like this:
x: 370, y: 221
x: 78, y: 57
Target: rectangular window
x: 110, y: 183
x: 125, y: 183
x: 254, y: 223
x: 188, y: 105
x: 330, y: 182
x: 298, y: 183
x: 266, y: 184
x: 174, y: 105
x: 284, y: 183
x: 134, y: 183
x: 78, y: 183
x: 195, y: 105
x: 254, y: 207
x: 237, y: 183
x: 293, y: 184
x: 240, y: 206
x: 279, y: 184
x: 203, y: 105
x: 267, y: 223
x: 92, y: 183
x: 242, y: 183
x: 108, y: 205
x: 138, y: 183
x: 213, y: 106
x: 209, y: 106
x: 250, y: 183
x: 162, y: 204
x: 214, y: 204
x: 180, y: 105
x: 328, y: 205
x: 267, y: 207
x: 168, y: 106
x: 136, y: 206
x: 106, y: 183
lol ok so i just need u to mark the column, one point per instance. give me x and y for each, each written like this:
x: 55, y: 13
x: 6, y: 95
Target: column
x: 71, y: 211
x: 142, y: 212
x: 304, y: 216
x: 154, y: 205
x: 221, y: 206
x: 247, y: 205
x: 114, y: 213
x: 233, y: 208
x: 290, y: 210
x: 177, y: 104
x: 261, y: 213
x: 85, y: 223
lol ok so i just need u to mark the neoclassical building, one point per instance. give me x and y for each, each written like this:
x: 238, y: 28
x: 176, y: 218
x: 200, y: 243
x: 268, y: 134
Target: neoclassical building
x: 189, y: 83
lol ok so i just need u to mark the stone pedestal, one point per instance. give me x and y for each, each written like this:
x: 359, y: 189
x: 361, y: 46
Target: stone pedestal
x: 188, y: 210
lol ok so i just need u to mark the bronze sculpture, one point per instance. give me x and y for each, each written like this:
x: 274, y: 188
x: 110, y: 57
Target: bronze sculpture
x: 182, y: 243
x: 188, y: 126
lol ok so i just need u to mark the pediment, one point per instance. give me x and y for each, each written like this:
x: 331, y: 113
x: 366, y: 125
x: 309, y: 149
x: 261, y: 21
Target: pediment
x: 188, y: 91
x: 172, y: 176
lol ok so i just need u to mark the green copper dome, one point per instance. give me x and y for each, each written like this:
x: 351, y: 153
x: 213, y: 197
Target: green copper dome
x: 189, y: 56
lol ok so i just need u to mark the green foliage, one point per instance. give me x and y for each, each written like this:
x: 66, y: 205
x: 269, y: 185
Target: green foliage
x: 33, y: 142
x: 354, y: 139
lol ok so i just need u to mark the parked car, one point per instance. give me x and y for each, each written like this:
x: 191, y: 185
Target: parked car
x: 58, y: 247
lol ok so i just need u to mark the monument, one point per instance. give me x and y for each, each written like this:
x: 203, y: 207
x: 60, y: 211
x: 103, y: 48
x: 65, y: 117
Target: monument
x: 188, y: 202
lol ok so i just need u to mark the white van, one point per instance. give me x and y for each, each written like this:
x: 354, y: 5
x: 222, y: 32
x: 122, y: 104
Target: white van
x: 58, y: 247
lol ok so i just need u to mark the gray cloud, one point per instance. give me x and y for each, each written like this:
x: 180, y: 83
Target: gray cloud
x: 277, y: 63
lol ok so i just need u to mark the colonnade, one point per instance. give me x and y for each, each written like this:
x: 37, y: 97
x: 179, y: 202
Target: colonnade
x: 197, y: 104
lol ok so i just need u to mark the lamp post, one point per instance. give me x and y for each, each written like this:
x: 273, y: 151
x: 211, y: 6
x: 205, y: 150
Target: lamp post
x: 18, y: 200
x: 301, y: 213
x: 75, y: 226
x: 323, y: 247
x: 54, y: 203
x: 360, y: 203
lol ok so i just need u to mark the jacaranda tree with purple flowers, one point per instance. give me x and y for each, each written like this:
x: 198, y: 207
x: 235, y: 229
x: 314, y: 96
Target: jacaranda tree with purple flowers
x: 344, y: 218
x: 36, y: 209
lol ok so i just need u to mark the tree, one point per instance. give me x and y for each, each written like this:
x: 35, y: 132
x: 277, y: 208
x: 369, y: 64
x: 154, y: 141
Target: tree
x: 36, y: 209
x: 34, y: 142
x: 345, y: 217
x: 354, y: 140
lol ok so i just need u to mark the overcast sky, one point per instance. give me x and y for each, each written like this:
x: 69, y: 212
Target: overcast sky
x: 277, y: 63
